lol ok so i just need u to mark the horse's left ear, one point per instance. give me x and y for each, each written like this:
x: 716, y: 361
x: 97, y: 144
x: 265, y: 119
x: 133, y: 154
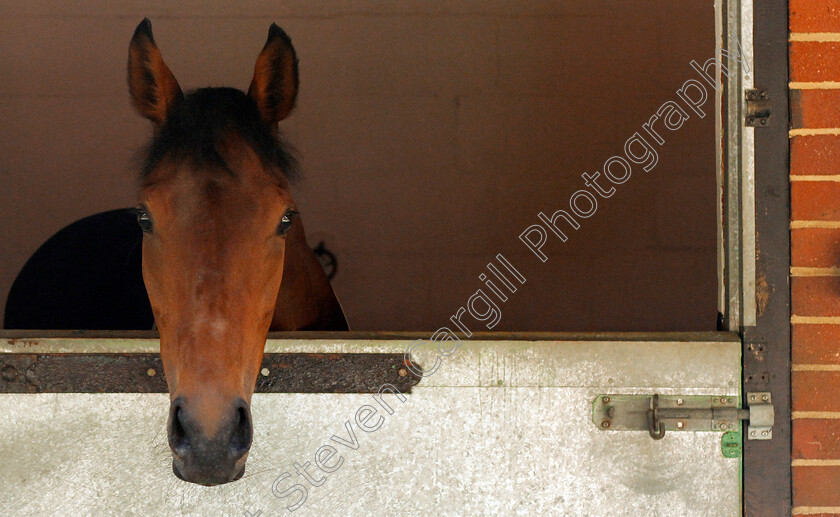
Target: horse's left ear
x: 275, y: 84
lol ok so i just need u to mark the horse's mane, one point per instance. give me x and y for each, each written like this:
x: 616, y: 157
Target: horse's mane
x: 202, y: 118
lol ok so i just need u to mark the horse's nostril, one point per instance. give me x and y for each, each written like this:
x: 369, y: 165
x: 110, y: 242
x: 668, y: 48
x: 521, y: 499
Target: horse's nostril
x: 179, y: 440
x: 240, y: 440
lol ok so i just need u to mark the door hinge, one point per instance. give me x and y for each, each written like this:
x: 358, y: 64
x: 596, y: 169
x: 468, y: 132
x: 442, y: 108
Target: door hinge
x: 758, y: 107
x: 657, y: 414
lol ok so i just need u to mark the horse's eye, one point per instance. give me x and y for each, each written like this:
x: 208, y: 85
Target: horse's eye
x: 144, y: 220
x: 286, y: 222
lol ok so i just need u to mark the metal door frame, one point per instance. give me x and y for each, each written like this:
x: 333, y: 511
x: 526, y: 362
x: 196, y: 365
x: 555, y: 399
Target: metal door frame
x: 767, y: 344
x: 754, y: 257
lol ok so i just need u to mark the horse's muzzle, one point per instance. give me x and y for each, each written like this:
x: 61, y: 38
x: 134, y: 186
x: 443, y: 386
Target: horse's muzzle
x: 209, y: 460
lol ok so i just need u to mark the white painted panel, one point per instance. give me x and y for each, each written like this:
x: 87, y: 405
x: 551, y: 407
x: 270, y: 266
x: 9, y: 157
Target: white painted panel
x: 458, y: 446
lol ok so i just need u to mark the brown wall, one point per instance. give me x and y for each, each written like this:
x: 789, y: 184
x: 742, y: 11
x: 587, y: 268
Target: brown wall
x: 431, y: 135
x: 815, y: 252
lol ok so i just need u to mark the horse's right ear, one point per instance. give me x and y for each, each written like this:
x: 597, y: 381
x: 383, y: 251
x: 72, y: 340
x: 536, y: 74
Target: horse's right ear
x: 154, y: 90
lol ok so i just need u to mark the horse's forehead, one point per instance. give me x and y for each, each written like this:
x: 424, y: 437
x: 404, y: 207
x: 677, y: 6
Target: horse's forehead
x: 242, y: 176
x: 208, y: 195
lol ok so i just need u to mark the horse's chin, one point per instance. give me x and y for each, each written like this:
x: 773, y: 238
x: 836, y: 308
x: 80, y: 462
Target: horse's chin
x: 180, y: 476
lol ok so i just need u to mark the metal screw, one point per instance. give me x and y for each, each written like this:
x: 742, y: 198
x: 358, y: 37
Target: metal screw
x: 605, y: 400
x: 679, y: 425
x: 752, y: 433
x: 265, y: 372
x: 402, y: 372
x: 765, y: 398
x: 151, y: 372
x: 9, y: 373
x: 605, y: 424
x: 764, y: 433
x: 723, y: 425
x: 679, y: 402
x: 752, y: 397
x: 764, y: 122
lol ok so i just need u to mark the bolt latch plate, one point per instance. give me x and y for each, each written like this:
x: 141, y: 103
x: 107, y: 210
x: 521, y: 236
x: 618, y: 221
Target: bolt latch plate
x: 762, y: 416
x: 673, y: 413
x: 758, y: 107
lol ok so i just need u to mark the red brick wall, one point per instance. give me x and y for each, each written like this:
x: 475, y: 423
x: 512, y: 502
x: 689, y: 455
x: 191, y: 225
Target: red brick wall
x: 815, y: 254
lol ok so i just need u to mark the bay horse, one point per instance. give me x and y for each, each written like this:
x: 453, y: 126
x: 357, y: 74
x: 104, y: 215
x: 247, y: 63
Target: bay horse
x: 224, y: 255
